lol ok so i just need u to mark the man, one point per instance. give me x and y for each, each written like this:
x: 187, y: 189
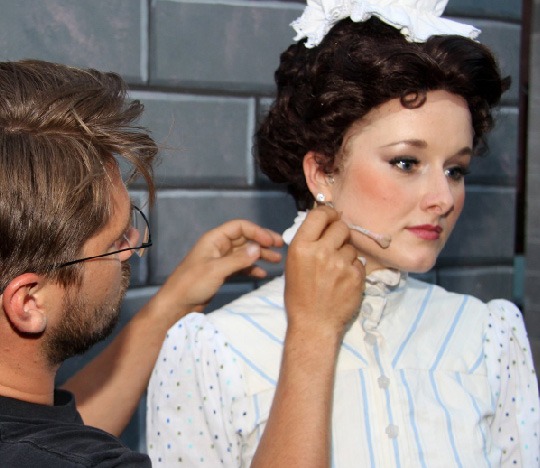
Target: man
x: 67, y: 231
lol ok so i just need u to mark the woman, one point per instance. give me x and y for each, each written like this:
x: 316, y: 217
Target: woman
x: 383, y: 129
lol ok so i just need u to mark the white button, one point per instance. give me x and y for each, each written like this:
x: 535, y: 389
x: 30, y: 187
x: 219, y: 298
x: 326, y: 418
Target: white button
x: 384, y: 381
x: 366, y: 308
x: 370, y: 338
x: 392, y: 431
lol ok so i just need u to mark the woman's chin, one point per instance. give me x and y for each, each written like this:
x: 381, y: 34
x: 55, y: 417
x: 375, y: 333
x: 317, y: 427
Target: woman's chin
x: 419, y: 268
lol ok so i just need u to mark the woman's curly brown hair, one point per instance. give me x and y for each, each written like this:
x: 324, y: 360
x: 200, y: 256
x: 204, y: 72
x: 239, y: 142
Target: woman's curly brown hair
x: 322, y: 91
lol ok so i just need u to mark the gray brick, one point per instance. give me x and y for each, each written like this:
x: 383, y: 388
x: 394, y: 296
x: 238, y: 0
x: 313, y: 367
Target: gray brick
x: 503, y: 9
x: 532, y: 322
x: 532, y: 277
x: 535, y: 348
x: 532, y: 292
x: 100, y: 34
x: 227, y: 45
x: 181, y: 217
x: 533, y: 212
x: 533, y: 254
x: 534, y: 61
x: 533, y: 195
x: 486, y: 229
x: 533, y: 136
x: 205, y: 140
x: 499, y: 164
x: 485, y: 283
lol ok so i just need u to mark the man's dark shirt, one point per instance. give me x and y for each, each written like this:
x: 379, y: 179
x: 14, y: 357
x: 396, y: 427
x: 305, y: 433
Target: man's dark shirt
x: 42, y: 436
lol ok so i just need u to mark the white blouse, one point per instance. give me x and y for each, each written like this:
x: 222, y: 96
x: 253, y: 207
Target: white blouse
x: 424, y: 378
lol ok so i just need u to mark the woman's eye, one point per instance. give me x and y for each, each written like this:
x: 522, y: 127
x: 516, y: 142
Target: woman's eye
x: 457, y: 173
x: 404, y: 164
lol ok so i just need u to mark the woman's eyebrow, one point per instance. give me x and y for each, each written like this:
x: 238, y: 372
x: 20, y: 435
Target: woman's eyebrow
x: 412, y: 142
x: 465, y: 151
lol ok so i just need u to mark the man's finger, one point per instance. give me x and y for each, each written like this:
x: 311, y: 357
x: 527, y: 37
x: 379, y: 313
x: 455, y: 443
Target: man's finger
x: 239, y: 231
x: 317, y: 220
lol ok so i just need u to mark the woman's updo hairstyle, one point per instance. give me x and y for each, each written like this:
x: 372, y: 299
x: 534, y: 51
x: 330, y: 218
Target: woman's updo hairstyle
x: 322, y: 91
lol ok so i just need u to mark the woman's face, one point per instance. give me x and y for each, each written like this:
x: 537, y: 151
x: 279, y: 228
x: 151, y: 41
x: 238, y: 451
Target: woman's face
x: 402, y: 176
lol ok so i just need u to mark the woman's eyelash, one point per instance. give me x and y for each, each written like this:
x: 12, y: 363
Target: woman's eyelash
x: 404, y: 162
x: 458, y: 172
x: 408, y: 163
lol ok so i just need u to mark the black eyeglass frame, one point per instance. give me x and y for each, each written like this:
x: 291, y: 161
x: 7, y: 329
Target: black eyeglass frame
x: 144, y: 245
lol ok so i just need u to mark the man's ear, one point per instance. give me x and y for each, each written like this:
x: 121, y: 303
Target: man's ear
x: 22, y: 306
x: 317, y: 180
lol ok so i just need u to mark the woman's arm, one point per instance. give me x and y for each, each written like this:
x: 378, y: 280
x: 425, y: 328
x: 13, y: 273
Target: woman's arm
x: 109, y: 388
x: 324, y: 284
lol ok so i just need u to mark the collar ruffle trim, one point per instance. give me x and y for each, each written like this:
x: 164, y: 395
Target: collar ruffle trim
x: 415, y: 19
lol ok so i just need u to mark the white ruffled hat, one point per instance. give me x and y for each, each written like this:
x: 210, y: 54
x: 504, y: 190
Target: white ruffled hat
x: 416, y: 19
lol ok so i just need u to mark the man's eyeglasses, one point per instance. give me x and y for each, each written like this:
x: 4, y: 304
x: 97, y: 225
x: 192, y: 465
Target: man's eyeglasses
x: 137, y: 239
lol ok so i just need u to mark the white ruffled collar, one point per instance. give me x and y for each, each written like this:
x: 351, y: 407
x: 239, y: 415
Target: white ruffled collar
x: 415, y: 19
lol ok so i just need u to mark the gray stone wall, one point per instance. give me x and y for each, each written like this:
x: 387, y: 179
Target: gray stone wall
x: 205, y: 73
x: 532, y: 270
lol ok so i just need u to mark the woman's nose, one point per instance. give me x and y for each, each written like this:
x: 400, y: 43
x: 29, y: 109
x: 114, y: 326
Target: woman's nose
x: 439, y: 194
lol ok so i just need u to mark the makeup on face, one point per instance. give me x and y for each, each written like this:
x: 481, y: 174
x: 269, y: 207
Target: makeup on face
x: 381, y: 239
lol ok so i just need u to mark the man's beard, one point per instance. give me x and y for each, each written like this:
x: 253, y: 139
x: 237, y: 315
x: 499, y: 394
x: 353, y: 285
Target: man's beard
x: 80, y: 327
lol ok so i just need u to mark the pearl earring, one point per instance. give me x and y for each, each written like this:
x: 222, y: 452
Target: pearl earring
x: 320, y: 197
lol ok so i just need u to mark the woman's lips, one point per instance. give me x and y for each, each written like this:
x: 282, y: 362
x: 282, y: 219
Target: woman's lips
x: 426, y: 231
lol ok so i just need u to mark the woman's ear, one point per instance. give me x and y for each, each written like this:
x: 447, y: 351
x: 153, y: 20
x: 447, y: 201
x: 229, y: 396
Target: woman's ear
x: 318, y: 181
x: 22, y: 306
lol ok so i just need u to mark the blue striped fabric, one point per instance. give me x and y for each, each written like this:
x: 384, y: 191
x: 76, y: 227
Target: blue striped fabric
x: 425, y: 378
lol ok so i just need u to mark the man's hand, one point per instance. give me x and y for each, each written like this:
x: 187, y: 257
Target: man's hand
x: 323, y: 290
x: 231, y: 248
x: 324, y: 278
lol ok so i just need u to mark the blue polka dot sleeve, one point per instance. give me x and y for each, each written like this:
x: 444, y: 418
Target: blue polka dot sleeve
x: 190, y: 415
x: 515, y: 425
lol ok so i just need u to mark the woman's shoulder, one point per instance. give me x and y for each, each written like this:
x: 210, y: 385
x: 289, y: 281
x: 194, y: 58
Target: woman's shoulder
x: 502, y: 308
x: 251, y: 327
x: 262, y: 307
x: 261, y: 303
x: 506, y: 329
x: 498, y: 316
